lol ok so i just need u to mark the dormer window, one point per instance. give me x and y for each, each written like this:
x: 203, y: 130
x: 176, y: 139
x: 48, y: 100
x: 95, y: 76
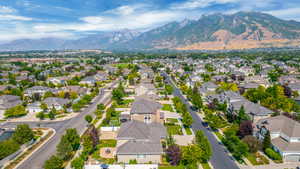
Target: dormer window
x: 147, y: 119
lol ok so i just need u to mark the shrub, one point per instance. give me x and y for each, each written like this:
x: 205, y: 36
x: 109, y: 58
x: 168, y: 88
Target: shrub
x: 273, y: 154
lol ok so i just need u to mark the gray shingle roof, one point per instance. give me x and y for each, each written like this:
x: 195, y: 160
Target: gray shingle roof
x: 136, y: 130
x: 139, y: 147
x: 55, y: 101
x: 144, y: 105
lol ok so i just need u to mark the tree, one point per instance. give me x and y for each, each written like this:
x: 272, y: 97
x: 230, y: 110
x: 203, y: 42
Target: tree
x: 196, y: 98
x: 187, y: 119
x: 242, y: 116
x: 87, y: 144
x: 101, y: 106
x: 52, y: 113
x: 73, y: 137
x: 64, y: 148
x: 169, y: 89
x: 23, y: 134
x: 118, y: 94
x: 93, y: 133
x: 205, y: 146
x: 44, y: 107
x: 41, y: 115
x: 191, y: 154
x: 253, y: 143
x: 53, y: 163
x: 245, y: 128
x: 77, y: 163
x: 8, y: 147
x: 267, y: 141
x: 88, y: 118
x: 173, y: 154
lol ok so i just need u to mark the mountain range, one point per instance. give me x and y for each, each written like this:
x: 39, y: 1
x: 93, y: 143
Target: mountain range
x: 242, y: 30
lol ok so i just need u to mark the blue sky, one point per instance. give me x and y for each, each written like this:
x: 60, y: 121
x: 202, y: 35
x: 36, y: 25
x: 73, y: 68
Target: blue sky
x: 76, y: 18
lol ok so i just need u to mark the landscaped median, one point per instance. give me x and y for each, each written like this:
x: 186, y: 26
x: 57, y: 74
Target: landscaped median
x: 48, y: 133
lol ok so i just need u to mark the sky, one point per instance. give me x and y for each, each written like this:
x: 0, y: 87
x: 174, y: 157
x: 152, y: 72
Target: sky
x: 72, y: 19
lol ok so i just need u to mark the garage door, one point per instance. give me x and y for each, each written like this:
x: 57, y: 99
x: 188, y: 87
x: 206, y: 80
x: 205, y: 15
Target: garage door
x: 292, y: 158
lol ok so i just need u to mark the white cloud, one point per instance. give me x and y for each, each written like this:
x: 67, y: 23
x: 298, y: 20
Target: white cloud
x: 14, y: 18
x: 93, y: 19
x: 193, y: 4
x: 289, y: 13
x: 124, y: 10
x: 6, y: 9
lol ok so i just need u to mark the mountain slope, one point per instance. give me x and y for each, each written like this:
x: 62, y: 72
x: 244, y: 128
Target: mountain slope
x: 95, y: 41
x: 242, y: 30
x: 217, y: 31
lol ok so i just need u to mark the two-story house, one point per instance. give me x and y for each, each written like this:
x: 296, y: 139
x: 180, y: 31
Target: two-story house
x: 285, y: 136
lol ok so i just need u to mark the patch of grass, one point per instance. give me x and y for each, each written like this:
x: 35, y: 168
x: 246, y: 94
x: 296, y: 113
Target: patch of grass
x: 108, y: 143
x: 172, y: 120
x: 174, y: 129
x: 167, y: 107
x: 205, y: 166
x: 170, y: 167
x: 257, y: 159
x: 188, y: 131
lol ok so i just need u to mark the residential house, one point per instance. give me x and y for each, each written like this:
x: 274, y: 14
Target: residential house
x: 285, y: 136
x: 41, y: 90
x: 146, y: 110
x: 34, y: 108
x: 235, y: 101
x: 140, y: 141
x: 56, y: 102
x: 208, y: 88
x: 7, y: 102
x: 89, y: 80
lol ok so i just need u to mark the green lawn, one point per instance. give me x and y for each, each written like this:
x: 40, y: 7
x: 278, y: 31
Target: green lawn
x: 108, y: 143
x: 172, y: 120
x: 174, y: 129
x: 167, y: 107
x: 188, y: 131
x: 205, y: 166
x: 257, y: 159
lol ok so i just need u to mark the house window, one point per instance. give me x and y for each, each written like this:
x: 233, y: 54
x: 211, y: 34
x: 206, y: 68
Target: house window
x: 141, y: 156
x: 147, y: 119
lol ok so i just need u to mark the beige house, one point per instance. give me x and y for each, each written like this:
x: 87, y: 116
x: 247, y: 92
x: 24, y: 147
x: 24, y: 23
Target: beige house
x: 140, y: 141
x: 285, y: 136
x: 146, y: 110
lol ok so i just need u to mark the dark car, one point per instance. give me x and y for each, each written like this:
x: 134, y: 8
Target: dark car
x: 205, y: 124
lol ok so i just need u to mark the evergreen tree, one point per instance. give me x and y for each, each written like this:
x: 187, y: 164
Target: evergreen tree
x: 267, y: 141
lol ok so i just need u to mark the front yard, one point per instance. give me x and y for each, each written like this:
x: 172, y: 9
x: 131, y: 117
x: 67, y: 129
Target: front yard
x: 257, y: 159
x: 167, y: 107
x: 174, y: 129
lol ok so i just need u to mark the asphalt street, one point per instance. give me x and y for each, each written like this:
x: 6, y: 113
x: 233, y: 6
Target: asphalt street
x: 37, y: 159
x: 220, y: 158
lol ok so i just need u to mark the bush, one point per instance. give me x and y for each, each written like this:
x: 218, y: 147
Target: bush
x: 8, y: 147
x: 273, y: 154
x: 133, y: 161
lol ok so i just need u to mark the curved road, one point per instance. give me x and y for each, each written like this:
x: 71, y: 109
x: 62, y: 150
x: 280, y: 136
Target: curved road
x: 220, y: 159
x: 37, y: 159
